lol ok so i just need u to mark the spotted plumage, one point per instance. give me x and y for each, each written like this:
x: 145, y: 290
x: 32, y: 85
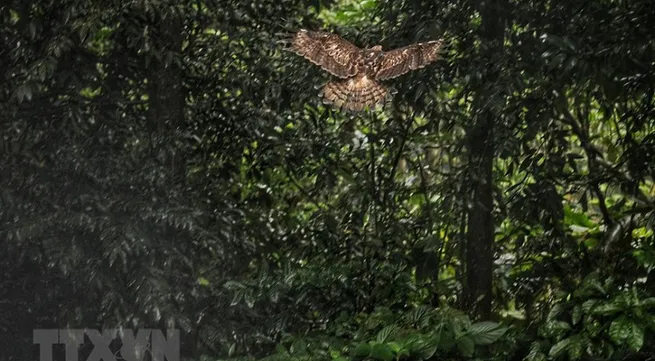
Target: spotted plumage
x: 359, y: 69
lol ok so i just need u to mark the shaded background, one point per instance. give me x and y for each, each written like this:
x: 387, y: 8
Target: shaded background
x: 164, y: 164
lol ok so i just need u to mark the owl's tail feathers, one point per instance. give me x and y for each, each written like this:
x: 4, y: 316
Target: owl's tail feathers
x: 355, y: 94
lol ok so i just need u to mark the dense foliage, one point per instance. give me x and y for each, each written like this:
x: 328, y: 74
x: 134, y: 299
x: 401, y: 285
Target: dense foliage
x: 166, y: 164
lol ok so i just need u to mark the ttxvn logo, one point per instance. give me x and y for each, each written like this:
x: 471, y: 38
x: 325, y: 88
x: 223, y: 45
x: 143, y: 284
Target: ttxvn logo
x: 105, y: 346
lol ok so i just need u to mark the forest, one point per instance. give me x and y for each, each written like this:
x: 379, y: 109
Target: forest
x: 170, y: 165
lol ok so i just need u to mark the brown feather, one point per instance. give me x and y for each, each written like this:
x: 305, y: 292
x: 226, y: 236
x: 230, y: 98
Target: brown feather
x: 360, y: 68
x: 400, y: 61
x: 355, y: 94
x: 327, y: 50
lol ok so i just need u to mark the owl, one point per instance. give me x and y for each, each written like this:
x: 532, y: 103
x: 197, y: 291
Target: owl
x: 360, y: 70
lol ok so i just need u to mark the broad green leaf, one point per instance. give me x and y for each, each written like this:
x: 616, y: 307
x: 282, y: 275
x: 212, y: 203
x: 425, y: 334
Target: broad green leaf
x: 573, y: 217
x: 412, y: 342
x: 279, y: 348
x: 403, y: 353
x: 427, y: 351
x: 636, y: 339
x: 559, y: 348
x: 535, y: 353
x: 575, y: 347
x: 606, y: 309
x: 424, y: 348
x: 592, y: 284
x: 418, y: 315
x: 362, y: 350
x: 537, y: 356
x: 445, y: 340
x: 483, y: 327
x: 385, y: 333
x: 466, y: 346
x: 484, y: 333
x: 381, y: 352
x: 647, y: 302
x: 394, y: 346
x: 624, y: 331
x: 298, y: 346
x: 588, y: 306
x: 619, y: 330
x: 554, y: 312
x: 556, y: 328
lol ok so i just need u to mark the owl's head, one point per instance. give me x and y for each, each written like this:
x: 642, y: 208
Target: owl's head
x: 373, y: 52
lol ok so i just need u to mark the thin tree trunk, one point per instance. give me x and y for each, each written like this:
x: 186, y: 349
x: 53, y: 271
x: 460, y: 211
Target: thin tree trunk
x: 480, y: 226
x: 165, y: 116
x: 166, y: 93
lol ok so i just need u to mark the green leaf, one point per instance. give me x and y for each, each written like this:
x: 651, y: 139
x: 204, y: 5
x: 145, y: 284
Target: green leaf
x: 557, y: 327
x: 588, y: 305
x: 606, y: 309
x: 485, y: 333
x: 537, y: 356
x: 381, y: 352
x: 619, y: 330
x: 427, y: 352
x: 647, y: 302
x: 362, y: 350
x: 559, y: 348
x: 535, y: 353
x: 426, y: 348
x: 575, y: 347
x: 483, y: 327
x: 554, y: 312
x: 576, y: 314
x: 298, y: 346
x: 466, y: 346
x: 394, y: 346
x: 280, y: 349
x: 591, y: 284
x: 385, y: 333
x: 403, y: 353
x: 418, y: 315
x: 624, y: 331
x: 572, y: 217
x: 636, y: 340
x: 412, y: 342
x: 444, y: 339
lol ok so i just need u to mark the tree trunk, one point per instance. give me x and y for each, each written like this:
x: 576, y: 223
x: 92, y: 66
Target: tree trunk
x: 166, y: 96
x: 166, y: 93
x: 480, y: 227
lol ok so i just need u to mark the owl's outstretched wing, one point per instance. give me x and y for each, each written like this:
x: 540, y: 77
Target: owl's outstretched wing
x: 327, y: 50
x: 402, y: 60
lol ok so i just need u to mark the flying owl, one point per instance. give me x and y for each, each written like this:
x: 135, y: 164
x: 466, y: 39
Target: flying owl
x: 360, y: 70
